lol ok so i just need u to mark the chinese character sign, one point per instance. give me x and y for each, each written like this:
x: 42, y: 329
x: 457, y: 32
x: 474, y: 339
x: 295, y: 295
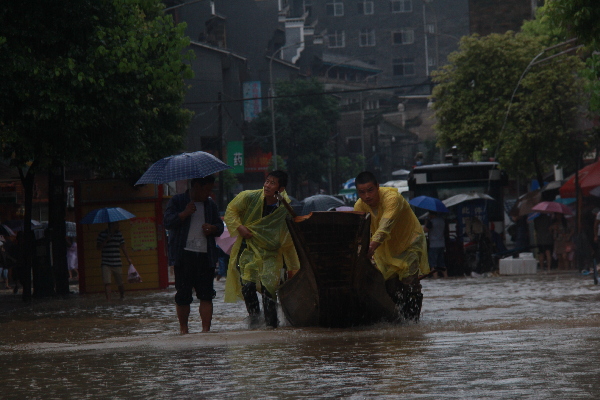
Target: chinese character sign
x: 143, y: 234
x: 235, y: 156
x: 253, y: 107
x: 472, y: 209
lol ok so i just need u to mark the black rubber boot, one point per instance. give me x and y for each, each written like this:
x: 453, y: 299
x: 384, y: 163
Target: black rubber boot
x: 270, y: 307
x: 252, y: 303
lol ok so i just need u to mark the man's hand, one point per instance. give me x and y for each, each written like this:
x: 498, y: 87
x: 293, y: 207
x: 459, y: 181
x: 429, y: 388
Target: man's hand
x: 208, y: 229
x: 190, y: 208
x: 372, y: 247
x: 244, y: 232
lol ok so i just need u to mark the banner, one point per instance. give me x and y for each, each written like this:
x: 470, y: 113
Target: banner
x: 235, y: 156
x: 252, y: 90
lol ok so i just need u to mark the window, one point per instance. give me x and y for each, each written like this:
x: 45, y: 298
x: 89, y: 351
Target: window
x: 404, y: 36
x: 430, y: 28
x: 401, y: 6
x: 365, y: 7
x: 337, y: 39
x: 366, y: 37
x: 403, y: 66
x: 335, y: 8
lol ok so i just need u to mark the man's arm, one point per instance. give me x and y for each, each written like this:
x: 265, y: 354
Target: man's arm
x: 596, y: 222
x: 214, y: 225
x: 173, y: 218
x: 233, y: 217
x: 125, y: 253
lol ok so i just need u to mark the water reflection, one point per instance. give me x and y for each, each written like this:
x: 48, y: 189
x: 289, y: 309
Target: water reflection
x: 522, y: 337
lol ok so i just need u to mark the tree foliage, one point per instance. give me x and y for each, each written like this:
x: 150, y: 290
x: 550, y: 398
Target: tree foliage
x: 99, y: 82
x: 305, y: 122
x: 576, y: 17
x: 475, y: 107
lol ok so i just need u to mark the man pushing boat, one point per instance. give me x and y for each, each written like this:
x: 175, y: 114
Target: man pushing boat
x: 397, y: 245
x: 257, y: 218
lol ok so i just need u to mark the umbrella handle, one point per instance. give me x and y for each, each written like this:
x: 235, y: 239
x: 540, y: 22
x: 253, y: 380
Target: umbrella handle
x: 286, y: 204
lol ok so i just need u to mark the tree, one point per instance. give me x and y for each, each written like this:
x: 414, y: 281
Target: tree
x: 305, y: 121
x: 576, y: 17
x: 97, y: 82
x: 475, y: 107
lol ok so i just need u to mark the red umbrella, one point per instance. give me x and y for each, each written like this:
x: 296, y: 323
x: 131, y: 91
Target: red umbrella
x: 552, y: 206
x: 589, y: 178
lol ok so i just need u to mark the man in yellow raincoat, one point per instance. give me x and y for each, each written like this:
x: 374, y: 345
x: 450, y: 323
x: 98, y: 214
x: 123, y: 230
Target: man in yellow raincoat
x: 397, y: 245
x: 257, y: 218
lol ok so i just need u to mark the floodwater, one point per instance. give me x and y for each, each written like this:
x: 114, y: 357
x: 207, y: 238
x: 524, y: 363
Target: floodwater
x: 526, y: 337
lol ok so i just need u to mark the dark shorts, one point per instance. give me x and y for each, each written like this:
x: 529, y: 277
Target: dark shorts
x: 193, y: 271
x: 544, y: 247
x: 436, y: 258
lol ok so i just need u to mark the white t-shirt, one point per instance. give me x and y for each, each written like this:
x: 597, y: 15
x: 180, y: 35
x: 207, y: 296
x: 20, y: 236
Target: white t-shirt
x: 196, y: 241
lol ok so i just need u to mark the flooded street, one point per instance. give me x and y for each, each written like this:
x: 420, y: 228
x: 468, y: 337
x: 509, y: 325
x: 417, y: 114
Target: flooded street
x: 535, y: 337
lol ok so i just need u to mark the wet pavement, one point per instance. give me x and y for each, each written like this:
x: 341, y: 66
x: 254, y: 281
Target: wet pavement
x: 530, y: 337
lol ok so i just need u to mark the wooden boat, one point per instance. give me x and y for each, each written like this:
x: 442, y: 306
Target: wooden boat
x: 337, y: 285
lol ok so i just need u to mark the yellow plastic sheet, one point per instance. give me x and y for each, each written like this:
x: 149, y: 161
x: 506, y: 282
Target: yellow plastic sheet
x: 403, y: 248
x: 271, y: 244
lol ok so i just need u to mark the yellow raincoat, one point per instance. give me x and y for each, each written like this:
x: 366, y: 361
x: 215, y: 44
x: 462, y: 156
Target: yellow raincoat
x: 403, y: 248
x: 261, y: 261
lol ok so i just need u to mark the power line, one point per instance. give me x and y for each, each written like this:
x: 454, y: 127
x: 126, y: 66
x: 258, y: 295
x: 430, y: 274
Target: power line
x: 425, y: 83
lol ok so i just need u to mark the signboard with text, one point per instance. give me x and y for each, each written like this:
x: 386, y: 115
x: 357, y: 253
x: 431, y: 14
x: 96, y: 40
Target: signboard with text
x: 143, y: 234
x: 235, y: 156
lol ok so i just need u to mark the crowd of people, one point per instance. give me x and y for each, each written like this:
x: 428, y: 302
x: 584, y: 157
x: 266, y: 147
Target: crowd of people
x: 263, y: 247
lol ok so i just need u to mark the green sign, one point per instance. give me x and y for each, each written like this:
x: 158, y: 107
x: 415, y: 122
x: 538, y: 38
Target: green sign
x: 235, y: 156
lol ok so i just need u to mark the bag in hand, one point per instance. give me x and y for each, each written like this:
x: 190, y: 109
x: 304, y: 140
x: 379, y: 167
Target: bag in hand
x: 132, y: 275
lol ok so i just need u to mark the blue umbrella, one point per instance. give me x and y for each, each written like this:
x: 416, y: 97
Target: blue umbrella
x: 106, y: 214
x: 429, y: 203
x: 182, y: 167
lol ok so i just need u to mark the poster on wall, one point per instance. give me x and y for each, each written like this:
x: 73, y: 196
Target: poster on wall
x: 253, y: 107
x: 143, y: 234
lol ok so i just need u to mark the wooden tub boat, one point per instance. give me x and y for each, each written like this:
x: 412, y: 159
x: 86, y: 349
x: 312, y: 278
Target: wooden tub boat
x: 337, y: 285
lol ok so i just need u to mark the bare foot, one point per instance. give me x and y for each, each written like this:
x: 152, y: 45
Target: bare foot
x: 183, y: 330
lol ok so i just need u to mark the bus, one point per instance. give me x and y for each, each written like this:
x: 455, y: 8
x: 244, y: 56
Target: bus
x: 443, y: 181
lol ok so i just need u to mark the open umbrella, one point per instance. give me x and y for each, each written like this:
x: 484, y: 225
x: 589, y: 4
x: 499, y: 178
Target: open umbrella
x: 525, y: 202
x: 320, y: 202
x: 552, y: 206
x: 106, y: 214
x: 461, y: 198
x: 589, y: 178
x: 6, y: 231
x: 182, y: 167
x: 429, y: 203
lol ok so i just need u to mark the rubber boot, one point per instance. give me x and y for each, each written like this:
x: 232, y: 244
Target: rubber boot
x: 270, y: 307
x: 252, y: 303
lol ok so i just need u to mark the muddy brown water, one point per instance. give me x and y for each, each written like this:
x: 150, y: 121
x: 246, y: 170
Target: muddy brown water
x: 526, y: 337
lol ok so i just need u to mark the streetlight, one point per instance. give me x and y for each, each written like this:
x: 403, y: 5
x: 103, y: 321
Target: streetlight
x: 272, y: 99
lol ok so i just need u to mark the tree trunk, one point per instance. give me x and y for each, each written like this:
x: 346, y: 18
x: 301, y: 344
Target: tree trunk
x: 57, y: 228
